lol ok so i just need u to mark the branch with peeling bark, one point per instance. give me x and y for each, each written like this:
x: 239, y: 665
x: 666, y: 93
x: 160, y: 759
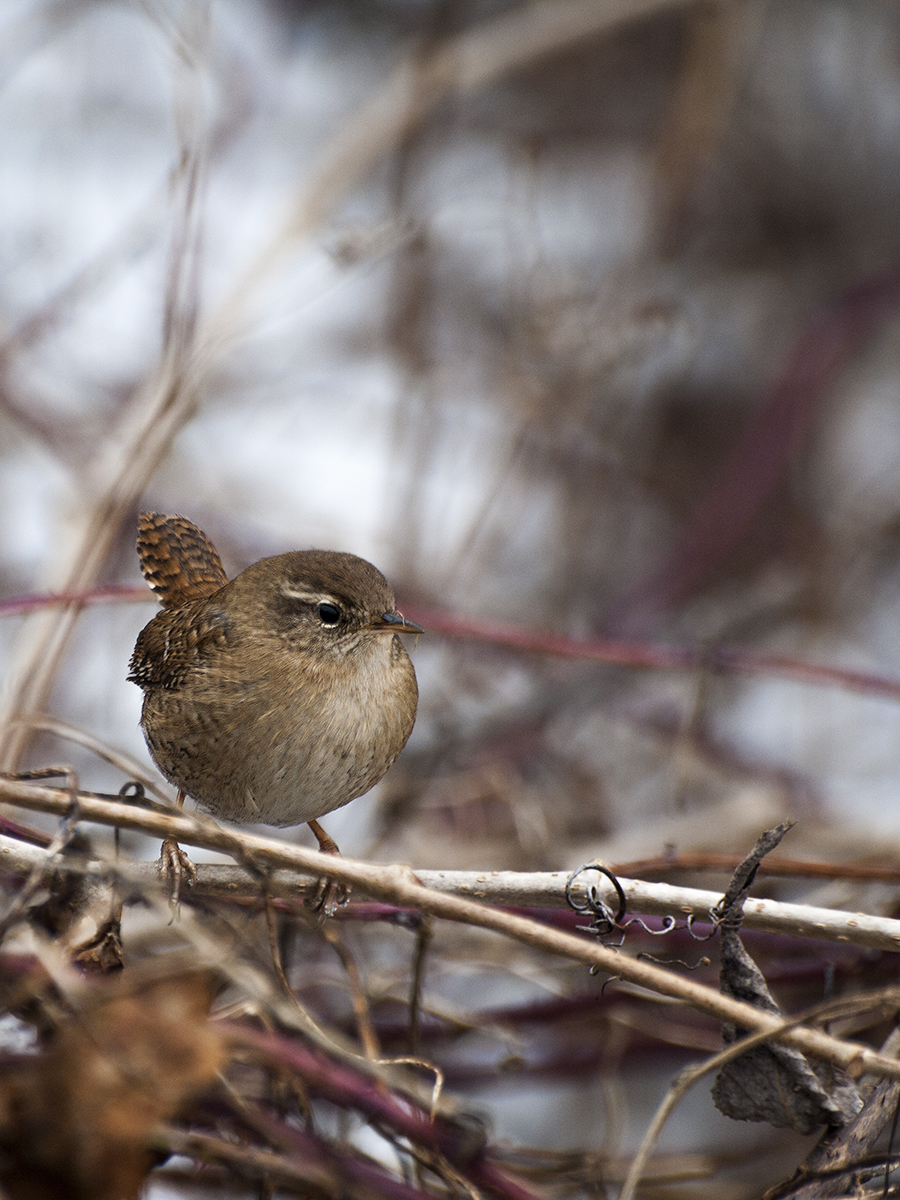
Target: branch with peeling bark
x: 399, y: 885
x: 516, y: 889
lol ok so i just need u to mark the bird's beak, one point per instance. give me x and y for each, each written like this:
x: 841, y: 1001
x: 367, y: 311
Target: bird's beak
x: 394, y: 622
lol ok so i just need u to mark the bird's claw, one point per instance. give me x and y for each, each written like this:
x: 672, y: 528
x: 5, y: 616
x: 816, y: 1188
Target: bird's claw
x: 328, y: 896
x: 176, y: 868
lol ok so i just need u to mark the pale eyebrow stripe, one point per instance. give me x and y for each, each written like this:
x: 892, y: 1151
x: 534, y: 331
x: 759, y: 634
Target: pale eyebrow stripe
x: 310, y: 597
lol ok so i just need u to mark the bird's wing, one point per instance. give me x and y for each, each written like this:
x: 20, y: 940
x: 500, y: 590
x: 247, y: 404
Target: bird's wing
x: 178, y: 642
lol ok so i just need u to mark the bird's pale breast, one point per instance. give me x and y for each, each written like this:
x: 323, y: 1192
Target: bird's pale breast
x: 279, y: 743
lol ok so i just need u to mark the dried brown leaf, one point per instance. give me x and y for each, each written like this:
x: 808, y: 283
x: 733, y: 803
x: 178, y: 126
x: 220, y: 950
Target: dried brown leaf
x: 77, y: 1120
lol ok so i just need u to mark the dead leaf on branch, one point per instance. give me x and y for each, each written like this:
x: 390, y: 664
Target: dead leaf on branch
x: 77, y: 1120
x: 771, y: 1083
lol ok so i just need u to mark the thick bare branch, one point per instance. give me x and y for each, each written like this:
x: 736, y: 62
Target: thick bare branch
x: 399, y: 885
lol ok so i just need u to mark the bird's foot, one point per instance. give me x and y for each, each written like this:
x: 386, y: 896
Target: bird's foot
x: 329, y: 894
x: 176, y: 868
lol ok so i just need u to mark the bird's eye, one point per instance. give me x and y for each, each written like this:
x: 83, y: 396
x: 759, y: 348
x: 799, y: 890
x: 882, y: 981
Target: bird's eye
x: 329, y: 614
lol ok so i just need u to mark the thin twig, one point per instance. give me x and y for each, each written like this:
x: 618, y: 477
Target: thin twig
x: 67, y: 829
x: 367, y: 1035
x: 133, y: 768
x: 424, y: 934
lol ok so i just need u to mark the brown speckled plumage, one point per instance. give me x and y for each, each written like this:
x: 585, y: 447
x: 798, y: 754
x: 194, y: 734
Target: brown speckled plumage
x: 257, y: 703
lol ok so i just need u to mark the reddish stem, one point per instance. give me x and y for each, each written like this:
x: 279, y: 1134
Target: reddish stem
x: 619, y: 652
x: 460, y: 1143
x: 612, y: 651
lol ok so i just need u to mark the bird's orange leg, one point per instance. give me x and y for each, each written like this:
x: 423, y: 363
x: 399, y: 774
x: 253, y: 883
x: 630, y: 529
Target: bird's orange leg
x: 330, y: 895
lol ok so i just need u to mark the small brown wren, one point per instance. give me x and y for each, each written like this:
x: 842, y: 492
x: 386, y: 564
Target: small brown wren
x: 279, y: 696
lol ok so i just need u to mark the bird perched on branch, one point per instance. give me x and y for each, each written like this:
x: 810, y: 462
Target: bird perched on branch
x: 277, y: 697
